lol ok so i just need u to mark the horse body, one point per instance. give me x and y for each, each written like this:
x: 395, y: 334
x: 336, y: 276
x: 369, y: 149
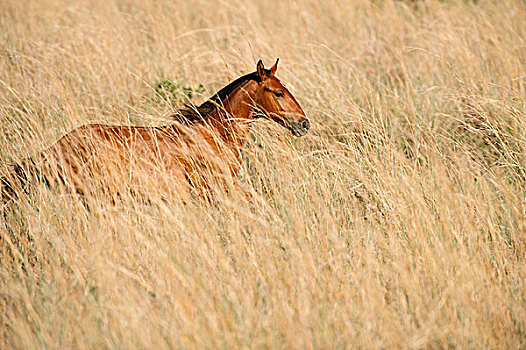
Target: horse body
x: 179, y: 158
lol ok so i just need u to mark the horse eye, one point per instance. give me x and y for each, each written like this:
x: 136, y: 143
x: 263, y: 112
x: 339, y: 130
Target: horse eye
x: 278, y: 94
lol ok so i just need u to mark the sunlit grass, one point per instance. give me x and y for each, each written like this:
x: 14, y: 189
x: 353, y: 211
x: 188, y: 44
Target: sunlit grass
x: 397, y: 222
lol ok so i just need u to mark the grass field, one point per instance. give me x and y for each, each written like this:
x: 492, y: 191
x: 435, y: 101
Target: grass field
x: 398, y: 221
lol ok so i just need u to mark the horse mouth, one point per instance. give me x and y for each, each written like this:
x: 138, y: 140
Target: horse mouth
x: 299, y: 128
x: 298, y: 132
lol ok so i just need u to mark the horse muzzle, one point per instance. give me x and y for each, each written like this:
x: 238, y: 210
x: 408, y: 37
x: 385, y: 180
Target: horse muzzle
x: 299, y: 128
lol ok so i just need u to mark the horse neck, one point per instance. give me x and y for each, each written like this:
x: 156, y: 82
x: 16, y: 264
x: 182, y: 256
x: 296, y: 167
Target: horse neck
x: 233, y: 119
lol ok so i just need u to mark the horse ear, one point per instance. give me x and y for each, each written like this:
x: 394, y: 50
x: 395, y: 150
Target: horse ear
x: 261, y: 70
x: 274, y: 68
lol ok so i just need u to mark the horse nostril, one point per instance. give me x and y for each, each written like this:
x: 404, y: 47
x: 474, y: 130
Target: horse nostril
x: 305, y: 124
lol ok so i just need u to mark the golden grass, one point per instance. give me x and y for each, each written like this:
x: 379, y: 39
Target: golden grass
x: 397, y: 222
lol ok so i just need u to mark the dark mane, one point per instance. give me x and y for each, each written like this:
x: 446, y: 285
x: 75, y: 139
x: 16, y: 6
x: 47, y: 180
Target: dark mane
x: 190, y: 114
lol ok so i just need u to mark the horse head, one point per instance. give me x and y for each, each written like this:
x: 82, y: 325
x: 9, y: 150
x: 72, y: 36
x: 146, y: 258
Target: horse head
x: 275, y: 102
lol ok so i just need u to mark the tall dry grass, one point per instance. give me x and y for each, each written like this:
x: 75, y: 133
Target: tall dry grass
x: 397, y: 222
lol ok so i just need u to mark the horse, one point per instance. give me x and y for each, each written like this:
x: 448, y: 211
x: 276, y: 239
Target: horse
x: 185, y: 158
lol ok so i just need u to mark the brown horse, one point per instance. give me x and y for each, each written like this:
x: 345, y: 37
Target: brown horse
x: 183, y: 158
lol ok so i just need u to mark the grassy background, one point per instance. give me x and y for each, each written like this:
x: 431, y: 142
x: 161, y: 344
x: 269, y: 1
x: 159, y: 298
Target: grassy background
x: 397, y: 222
